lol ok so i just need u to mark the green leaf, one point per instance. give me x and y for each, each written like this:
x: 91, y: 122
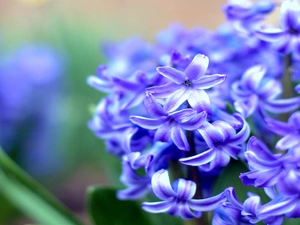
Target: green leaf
x: 292, y: 221
x: 31, y: 197
x: 104, y: 208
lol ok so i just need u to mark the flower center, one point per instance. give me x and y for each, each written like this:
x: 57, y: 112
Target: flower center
x: 187, y: 83
x: 293, y: 31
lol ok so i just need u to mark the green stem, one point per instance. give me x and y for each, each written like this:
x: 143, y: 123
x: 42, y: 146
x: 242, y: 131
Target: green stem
x: 194, y: 175
x: 288, y: 89
x: 15, y: 176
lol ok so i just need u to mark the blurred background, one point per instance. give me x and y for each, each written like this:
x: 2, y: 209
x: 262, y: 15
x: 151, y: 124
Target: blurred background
x: 47, y: 50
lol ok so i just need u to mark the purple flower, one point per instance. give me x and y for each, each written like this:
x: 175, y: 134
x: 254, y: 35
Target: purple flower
x: 245, y: 9
x: 267, y: 169
x: 187, y: 85
x: 137, y: 186
x: 223, y: 142
x: 177, y: 198
x: 170, y: 126
x: 251, y: 211
x: 290, y: 131
x: 287, y: 36
x: 255, y: 91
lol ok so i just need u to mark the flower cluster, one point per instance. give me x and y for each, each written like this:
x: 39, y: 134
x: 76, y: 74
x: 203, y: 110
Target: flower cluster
x: 193, y: 99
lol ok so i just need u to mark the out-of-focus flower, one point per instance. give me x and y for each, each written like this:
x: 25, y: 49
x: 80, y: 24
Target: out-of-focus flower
x: 287, y: 36
x: 30, y: 83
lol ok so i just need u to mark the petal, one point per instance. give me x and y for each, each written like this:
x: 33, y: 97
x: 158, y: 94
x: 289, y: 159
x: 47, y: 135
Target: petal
x: 210, y: 134
x: 183, y: 115
x: 232, y: 150
x: 196, y: 122
x: 297, y: 88
x: 209, y: 81
x: 125, y: 84
x: 294, y: 120
x: 277, y: 209
x: 186, y: 213
x: 243, y: 134
x: 148, y: 123
x: 199, y: 101
x: 288, y: 141
x: 162, y: 91
x: 200, y: 159
x: 157, y: 207
x: 153, y: 107
x: 208, y: 204
x: 176, y: 99
x: 163, y: 133
x: 197, y: 67
x: 251, y: 206
x: 271, y: 34
x: 252, y: 78
x: 278, y: 127
x: 289, y: 14
x: 221, y: 159
x: 172, y: 74
x: 161, y: 185
x: 270, y: 89
x: 225, y: 129
x: 179, y: 138
x: 282, y: 105
x: 186, y: 189
x: 99, y: 84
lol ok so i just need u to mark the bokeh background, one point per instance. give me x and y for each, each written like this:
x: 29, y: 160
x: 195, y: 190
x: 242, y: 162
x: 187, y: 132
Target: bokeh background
x: 52, y: 141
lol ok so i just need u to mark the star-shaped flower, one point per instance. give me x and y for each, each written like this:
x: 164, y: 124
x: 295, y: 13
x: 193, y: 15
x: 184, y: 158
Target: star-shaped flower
x: 187, y: 86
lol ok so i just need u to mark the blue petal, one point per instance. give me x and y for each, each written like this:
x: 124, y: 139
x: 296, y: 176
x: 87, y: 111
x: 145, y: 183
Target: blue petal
x: 179, y: 138
x: 252, y: 78
x: 186, y: 189
x: 271, y: 34
x: 200, y: 159
x: 209, y: 81
x: 289, y: 14
x: 208, y: 204
x: 199, y: 101
x: 153, y: 107
x: 197, y: 67
x: 176, y: 99
x: 175, y: 75
x: 163, y: 133
x: 282, y: 105
x: 195, y: 122
x: 162, y: 91
x: 148, y: 123
x: 157, y: 207
x: 161, y: 185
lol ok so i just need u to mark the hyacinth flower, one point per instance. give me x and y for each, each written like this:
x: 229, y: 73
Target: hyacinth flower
x: 177, y: 198
x: 170, y: 126
x: 187, y: 85
x: 244, y: 9
x: 252, y: 212
x: 246, y: 15
x: 223, y: 142
x: 287, y: 36
x: 268, y: 169
x: 254, y: 92
x: 290, y: 131
x: 137, y: 186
